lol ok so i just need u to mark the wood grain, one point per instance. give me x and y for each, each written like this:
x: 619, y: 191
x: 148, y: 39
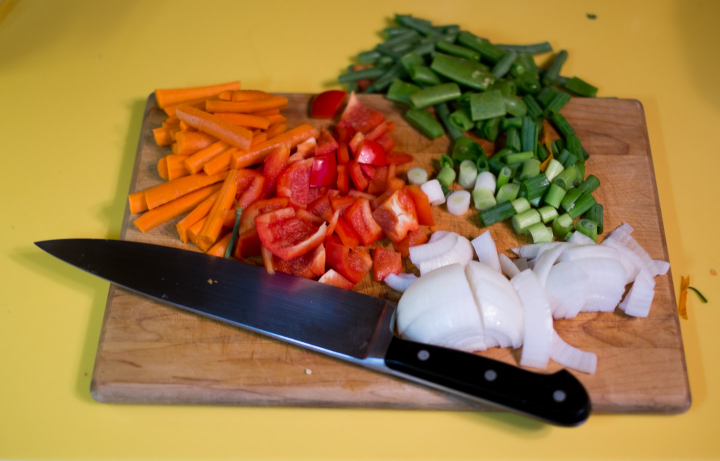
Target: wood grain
x: 152, y: 353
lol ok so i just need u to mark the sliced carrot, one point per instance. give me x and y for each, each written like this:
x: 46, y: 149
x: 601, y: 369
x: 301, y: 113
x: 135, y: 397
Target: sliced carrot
x: 171, y: 121
x: 185, y: 127
x: 276, y: 118
x: 173, y: 130
x: 193, y: 234
x: 220, y: 246
x: 220, y: 162
x: 222, y: 129
x: 252, y: 121
x: 189, y: 143
x: 250, y: 95
x: 276, y: 130
x: 199, y: 103
x: 213, y: 225
x: 194, y: 216
x: 162, y: 168
x: 137, y: 202
x: 162, y: 137
x: 225, y: 95
x: 178, y: 95
x: 194, y: 163
x: 276, y: 102
x: 258, y: 138
x: 176, y: 166
x: 265, y: 113
x: 169, y: 191
x: 165, y: 213
x: 258, y: 153
x: 174, y: 148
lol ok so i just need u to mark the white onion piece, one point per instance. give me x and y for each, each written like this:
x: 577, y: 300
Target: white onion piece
x: 461, y: 253
x: 630, y: 261
x: 572, y: 357
x: 532, y: 250
x: 606, y: 285
x: 662, y: 266
x: 537, y: 338
x: 578, y: 238
x: 639, y: 299
x: 626, y: 239
x: 400, y: 282
x: 621, y: 232
x: 417, y: 176
x: 485, y: 180
x: 521, y: 263
x: 434, y: 192
x: 587, y: 251
x: 468, y: 340
x: 458, y: 202
x: 507, y: 266
x: 531, y: 263
x: 545, y: 262
x: 566, y: 288
x: 500, y: 307
x: 486, y: 250
x: 436, y: 247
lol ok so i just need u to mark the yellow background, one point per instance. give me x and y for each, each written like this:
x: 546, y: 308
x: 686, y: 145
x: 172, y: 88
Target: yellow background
x: 74, y: 76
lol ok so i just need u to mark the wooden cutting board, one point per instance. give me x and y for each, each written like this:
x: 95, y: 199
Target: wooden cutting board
x: 153, y: 353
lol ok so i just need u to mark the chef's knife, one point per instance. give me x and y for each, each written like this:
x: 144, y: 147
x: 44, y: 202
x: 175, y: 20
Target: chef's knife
x: 341, y: 323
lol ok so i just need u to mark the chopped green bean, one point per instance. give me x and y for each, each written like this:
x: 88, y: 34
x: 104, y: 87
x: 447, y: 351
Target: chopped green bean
x: 354, y: 76
x: 424, y: 75
x: 502, y: 67
x: 487, y: 50
x: 425, y: 122
x: 369, y: 57
x: 400, y: 91
x: 390, y: 32
x: 487, y: 105
x: 392, y: 73
x: 580, y: 87
x: 457, y: 50
x: 424, y: 27
x: 490, y: 129
x: 507, y: 87
x: 463, y: 71
x: 514, y: 106
x: 461, y: 120
x: 443, y: 113
x: 411, y: 60
x: 435, y: 95
x: 533, y: 108
x: 536, y: 48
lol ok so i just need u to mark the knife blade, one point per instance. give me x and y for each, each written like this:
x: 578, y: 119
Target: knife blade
x: 341, y: 323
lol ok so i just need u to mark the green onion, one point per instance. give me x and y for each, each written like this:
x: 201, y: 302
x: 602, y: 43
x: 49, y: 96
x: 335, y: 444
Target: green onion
x: 457, y: 50
x: 506, y: 87
x: 469, y: 73
x: 487, y: 105
x: 425, y: 76
x: 562, y: 125
x: 444, y: 113
x: 461, y: 120
x: 392, y: 73
x: 528, y: 84
x: 566, y: 178
x: 516, y: 169
x: 587, y: 227
x: 582, y: 205
x: 483, y: 199
x: 528, y: 135
x: 369, y: 57
x: 558, y: 145
x: 402, y: 37
x: 568, y: 236
x: 581, y: 87
x: 553, y: 73
x: 504, y: 177
x: 542, y: 152
x: 425, y: 122
x: 499, y: 212
x: 482, y: 163
x: 573, y: 145
x: 508, y: 123
x: 417, y: 176
x: 536, y: 48
x: 512, y: 139
x: 449, y: 29
x: 446, y: 161
x: 520, y: 205
x: 580, y: 172
x: 554, y: 195
x: 535, y: 203
x: 503, y: 65
x: 446, y: 191
x: 502, y: 153
x: 533, y: 108
x: 562, y: 225
x: 568, y: 202
x: 400, y: 91
x: 466, y: 149
x: 238, y: 213
x: 547, y: 213
x: 702, y: 298
x: 534, y: 187
x: 569, y: 160
x: 354, y: 76
x: 490, y: 129
x: 524, y: 220
x: 531, y: 168
x: 553, y: 169
x: 519, y: 157
x: 495, y: 167
x: 540, y: 233
x: 435, y: 95
x: 589, y: 185
x: 468, y: 174
x: 421, y: 25
x: 546, y: 95
x: 446, y: 176
x: 507, y: 192
x: 557, y: 103
x: 595, y: 214
x: 514, y: 105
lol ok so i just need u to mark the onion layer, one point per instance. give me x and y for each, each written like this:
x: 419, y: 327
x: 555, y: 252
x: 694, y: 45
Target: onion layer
x: 458, y: 202
x: 507, y: 266
x: 567, y: 286
x: 537, y: 338
x: 572, y: 357
x: 639, y: 299
x: 400, y: 282
x: 461, y: 253
x: 486, y: 250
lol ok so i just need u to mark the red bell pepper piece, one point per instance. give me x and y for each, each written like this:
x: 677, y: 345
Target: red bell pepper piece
x: 353, y: 264
x: 324, y: 170
x: 342, y: 203
x: 371, y: 153
x: 335, y: 279
x: 274, y: 165
x: 386, y: 141
x: 321, y: 207
x: 368, y: 170
x: 267, y: 258
x: 309, y: 217
x: 357, y: 176
x: 347, y: 234
x: 343, y: 154
x: 422, y: 205
x: 360, y: 117
x: 308, y: 266
x: 397, y: 216
x: 248, y: 244
x: 332, y: 223
x: 396, y: 183
x: 343, y: 179
x: 360, y: 217
x: 378, y: 183
x: 391, y: 126
x: 385, y: 263
x: 357, y: 193
x: 244, y: 178
x: 317, y: 192
x: 252, y: 193
x: 414, y: 238
x: 247, y: 218
x: 294, y: 182
x: 356, y: 142
x: 344, y: 132
x: 306, y: 149
x: 327, y: 104
x: 286, y: 235
x: 398, y: 158
x: 326, y: 144
x: 377, y: 132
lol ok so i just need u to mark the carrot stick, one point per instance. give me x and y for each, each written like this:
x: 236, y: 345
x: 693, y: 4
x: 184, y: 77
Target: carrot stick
x: 275, y: 130
x: 171, y: 121
x: 252, y: 121
x: 250, y: 95
x: 219, y: 163
x: 258, y: 138
x: 162, y: 168
x: 199, y: 103
x: 194, y: 163
x: 265, y: 113
x: 276, y: 102
x: 224, y: 201
x: 169, y: 191
x: 173, y: 130
x: 176, y: 166
x: 220, y: 246
x: 193, y: 234
x: 222, y: 129
x: 162, y: 136
x: 189, y: 143
x: 185, y: 127
x: 137, y: 202
x: 174, y: 148
x: 276, y: 118
x: 226, y: 95
x: 162, y: 214
x: 194, y: 216
x: 257, y: 154
x: 178, y: 95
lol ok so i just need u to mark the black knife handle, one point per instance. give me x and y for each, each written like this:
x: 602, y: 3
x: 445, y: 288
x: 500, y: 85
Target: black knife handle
x: 558, y: 398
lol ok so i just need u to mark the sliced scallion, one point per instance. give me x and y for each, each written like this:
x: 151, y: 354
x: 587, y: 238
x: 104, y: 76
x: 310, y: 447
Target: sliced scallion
x: 417, y: 176
x: 534, y: 188
x: 484, y: 199
x: 554, y: 195
x: 504, y: 177
x: 566, y: 178
x: 519, y: 157
x: 595, y: 214
x: 553, y: 169
x: 446, y: 176
x: 512, y: 139
x: 524, y: 220
x: 499, y: 212
x: 520, y: 205
x: 547, y: 213
x: 507, y: 192
x: 568, y: 202
x: 540, y: 233
x: 531, y: 168
x: 589, y: 185
x: 582, y: 205
x: 587, y: 227
x: 562, y: 225
x: 468, y: 174
x: 482, y: 164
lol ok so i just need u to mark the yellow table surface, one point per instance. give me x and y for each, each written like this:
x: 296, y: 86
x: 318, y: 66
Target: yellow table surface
x: 74, y: 76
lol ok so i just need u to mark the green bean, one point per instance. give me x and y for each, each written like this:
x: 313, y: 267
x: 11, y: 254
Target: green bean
x: 461, y: 120
x: 422, y: 26
x: 463, y: 71
x: 424, y: 75
x: 533, y: 108
x: 546, y: 95
x: 435, y: 95
x: 351, y: 86
x: 514, y: 106
x: 369, y: 57
x: 392, y: 73
x: 449, y: 29
x: 557, y: 103
x: 385, y: 61
x: 536, y: 48
x: 503, y: 65
x: 459, y: 51
x: 512, y: 139
x: 399, y: 39
x: 527, y: 84
x: 553, y: 73
x: 354, y: 76
x: 581, y: 87
x: 487, y: 105
x: 400, y: 91
x: 487, y: 50
x: 390, y: 32
x: 411, y: 60
x: 443, y: 113
x: 425, y: 122
x: 466, y: 149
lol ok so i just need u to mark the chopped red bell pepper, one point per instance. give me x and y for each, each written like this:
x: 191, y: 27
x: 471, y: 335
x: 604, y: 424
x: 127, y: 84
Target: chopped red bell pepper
x: 327, y: 104
x: 343, y: 154
x: 360, y: 217
x: 335, y: 279
x: 357, y: 176
x: 308, y: 266
x: 356, y: 142
x: 248, y: 244
x: 392, y: 170
x: 294, y: 182
x: 381, y: 198
x: 391, y: 126
x: 344, y: 132
x: 286, y: 235
x: 368, y: 170
x: 385, y: 263
x: 342, y: 203
x: 347, y: 234
x: 324, y: 170
x: 397, y: 216
x: 414, y: 238
x: 377, y: 132
x: 274, y: 165
x: 309, y: 217
x: 360, y: 117
x: 398, y: 158
x: 357, y: 193
x: 353, y: 264
x: 386, y: 141
x: 422, y: 205
x: 244, y: 178
x: 332, y: 223
x: 317, y: 192
x: 343, y: 179
x: 321, y: 207
x: 305, y: 149
x: 370, y: 153
x: 247, y: 218
x: 332, y: 193
x: 326, y: 144
x: 252, y: 193
x: 396, y: 183
x: 378, y: 183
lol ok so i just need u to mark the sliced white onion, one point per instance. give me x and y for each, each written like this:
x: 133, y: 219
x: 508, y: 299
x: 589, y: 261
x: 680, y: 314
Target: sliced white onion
x: 537, y: 338
x: 531, y: 263
x: 566, y: 287
x: 639, y: 299
x: 621, y: 232
x: 485, y: 180
x: 521, y: 263
x: 434, y: 192
x: 507, y: 266
x: 500, y: 307
x: 662, y: 266
x: 572, y: 357
x: 461, y: 253
x: 626, y: 239
x: 436, y: 247
x: 532, y: 250
x: 578, y: 238
x: 589, y: 251
x: 545, y: 262
x: 458, y: 202
x: 417, y: 176
x: 606, y: 284
x: 400, y: 282
x: 630, y: 261
x: 486, y: 250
